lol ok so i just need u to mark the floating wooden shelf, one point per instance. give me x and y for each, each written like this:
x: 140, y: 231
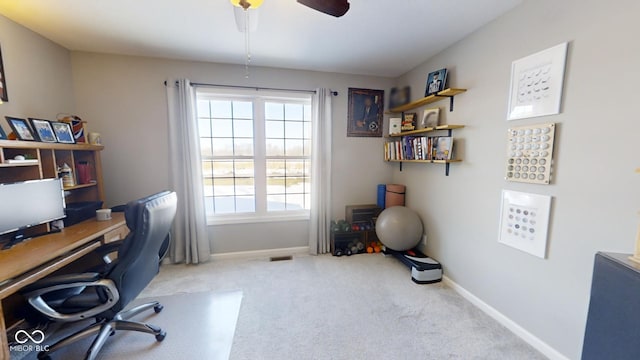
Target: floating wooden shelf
x: 444, y: 94
x: 18, y: 144
x: 448, y: 128
x: 449, y: 93
x: 4, y: 165
x: 446, y: 162
x: 426, y: 130
x: 81, y: 186
x: 428, y: 161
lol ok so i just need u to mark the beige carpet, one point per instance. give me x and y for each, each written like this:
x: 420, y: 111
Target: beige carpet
x: 198, y: 325
x: 311, y: 307
x: 358, y: 307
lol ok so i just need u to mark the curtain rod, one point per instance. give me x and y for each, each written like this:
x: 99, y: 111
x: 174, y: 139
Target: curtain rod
x: 334, y: 93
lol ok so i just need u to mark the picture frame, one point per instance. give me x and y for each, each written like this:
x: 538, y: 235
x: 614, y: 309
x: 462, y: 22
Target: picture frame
x: 43, y: 130
x: 430, y: 118
x: 436, y: 82
x: 20, y: 128
x: 3, y: 135
x: 399, y: 96
x: 366, y: 109
x: 536, y: 83
x: 63, y: 132
x: 3, y: 82
x: 517, y: 229
x: 77, y: 125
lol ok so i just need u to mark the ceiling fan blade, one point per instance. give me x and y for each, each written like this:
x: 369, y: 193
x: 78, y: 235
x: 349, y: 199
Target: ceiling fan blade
x: 335, y: 8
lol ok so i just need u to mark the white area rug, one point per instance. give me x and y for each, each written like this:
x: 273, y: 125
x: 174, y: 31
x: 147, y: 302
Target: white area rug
x: 198, y: 325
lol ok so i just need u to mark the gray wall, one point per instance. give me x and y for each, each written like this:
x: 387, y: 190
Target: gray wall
x: 38, y: 75
x: 124, y: 99
x: 595, y: 190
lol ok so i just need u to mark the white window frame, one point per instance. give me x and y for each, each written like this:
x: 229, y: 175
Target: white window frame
x: 261, y: 215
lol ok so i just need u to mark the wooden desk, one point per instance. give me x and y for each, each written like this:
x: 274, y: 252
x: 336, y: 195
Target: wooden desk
x: 32, y: 260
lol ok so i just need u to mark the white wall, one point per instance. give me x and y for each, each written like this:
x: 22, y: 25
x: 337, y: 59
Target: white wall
x: 38, y: 75
x: 595, y: 190
x: 124, y: 99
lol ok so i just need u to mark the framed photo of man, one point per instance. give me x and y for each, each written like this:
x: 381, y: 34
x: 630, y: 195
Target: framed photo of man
x: 436, y: 82
x: 3, y: 83
x: 366, y: 108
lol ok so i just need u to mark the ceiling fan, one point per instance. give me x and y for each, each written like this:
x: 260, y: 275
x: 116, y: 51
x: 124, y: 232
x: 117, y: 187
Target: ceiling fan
x: 246, y: 24
x: 335, y: 8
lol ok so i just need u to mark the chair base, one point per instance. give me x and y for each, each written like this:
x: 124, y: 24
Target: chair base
x: 106, y: 328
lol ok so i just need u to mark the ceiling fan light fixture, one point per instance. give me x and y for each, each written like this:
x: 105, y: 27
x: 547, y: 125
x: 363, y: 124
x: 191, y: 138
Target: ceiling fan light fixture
x: 246, y: 19
x: 247, y: 4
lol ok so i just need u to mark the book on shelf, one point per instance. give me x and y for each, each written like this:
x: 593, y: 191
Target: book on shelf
x: 409, y: 122
x: 427, y: 147
x: 429, y: 118
x: 419, y: 148
x: 395, y: 125
x: 443, y: 148
x: 408, y: 147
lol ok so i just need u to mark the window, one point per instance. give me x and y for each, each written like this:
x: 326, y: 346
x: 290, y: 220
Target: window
x: 255, y: 155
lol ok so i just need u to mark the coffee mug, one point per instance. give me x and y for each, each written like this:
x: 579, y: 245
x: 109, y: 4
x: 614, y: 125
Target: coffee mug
x: 94, y: 138
x: 103, y: 214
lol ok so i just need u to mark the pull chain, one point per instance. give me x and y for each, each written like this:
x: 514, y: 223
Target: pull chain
x: 246, y: 44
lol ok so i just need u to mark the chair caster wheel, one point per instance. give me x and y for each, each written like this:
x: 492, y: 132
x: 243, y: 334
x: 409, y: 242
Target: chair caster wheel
x: 158, y: 308
x: 161, y: 336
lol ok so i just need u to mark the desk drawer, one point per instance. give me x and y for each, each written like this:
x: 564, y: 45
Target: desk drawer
x: 115, y: 235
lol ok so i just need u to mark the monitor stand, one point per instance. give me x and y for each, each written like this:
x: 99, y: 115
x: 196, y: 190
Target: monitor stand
x: 19, y: 237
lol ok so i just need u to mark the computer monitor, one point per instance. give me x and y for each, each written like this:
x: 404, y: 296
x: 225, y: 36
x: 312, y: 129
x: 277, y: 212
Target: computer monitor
x: 29, y: 203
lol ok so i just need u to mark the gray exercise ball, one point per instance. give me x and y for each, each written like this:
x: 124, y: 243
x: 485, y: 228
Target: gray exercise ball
x: 399, y: 228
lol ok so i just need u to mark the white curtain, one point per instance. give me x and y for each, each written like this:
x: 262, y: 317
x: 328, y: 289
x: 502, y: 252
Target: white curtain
x: 320, y: 174
x: 190, y: 243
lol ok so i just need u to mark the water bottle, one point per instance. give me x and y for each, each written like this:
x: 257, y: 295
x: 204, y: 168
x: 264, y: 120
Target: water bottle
x: 66, y: 173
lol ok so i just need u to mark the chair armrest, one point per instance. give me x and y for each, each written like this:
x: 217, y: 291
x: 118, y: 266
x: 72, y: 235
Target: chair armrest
x: 107, y: 249
x: 35, y: 297
x: 61, y: 280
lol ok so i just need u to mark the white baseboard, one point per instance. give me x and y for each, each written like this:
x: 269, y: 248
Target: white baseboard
x: 528, y: 337
x: 261, y: 254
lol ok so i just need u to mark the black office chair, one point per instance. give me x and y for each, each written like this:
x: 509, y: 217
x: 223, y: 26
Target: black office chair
x: 105, y: 251
x: 104, y: 295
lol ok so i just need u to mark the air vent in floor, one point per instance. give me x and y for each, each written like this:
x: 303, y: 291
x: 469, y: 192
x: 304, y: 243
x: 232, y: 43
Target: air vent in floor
x: 281, y: 258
